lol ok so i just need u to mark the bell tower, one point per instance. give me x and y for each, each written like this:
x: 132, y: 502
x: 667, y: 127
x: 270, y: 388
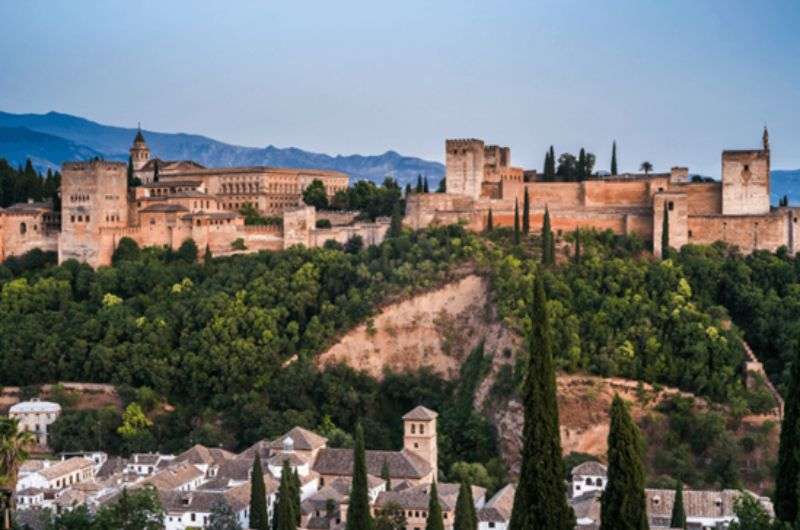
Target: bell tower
x: 419, y: 435
x: 140, y: 153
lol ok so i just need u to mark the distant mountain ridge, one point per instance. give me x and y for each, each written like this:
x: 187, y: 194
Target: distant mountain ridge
x: 52, y: 138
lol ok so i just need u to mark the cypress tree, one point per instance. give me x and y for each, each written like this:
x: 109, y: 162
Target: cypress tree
x: 548, y: 256
x: 577, y: 246
x: 419, y: 183
x: 442, y: 186
x: 581, y: 169
x: 285, y: 517
x: 541, y: 501
x: 623, y: 504
x: 551, y: 171
x: 546, y: 164
x: 788, y: 478
x: 425, y: 188
x: 396, y: 225
x: 130, y: 171
x: 526, y: 213
x: 296, y: 485
x: 155, y: 170
x: 614, y: 158
x: 387, y: 478
x: 465, y: 517
x: 665, y: 234
x: 435, y: 521
x: 258, y: 497
x: 678, y: 514
x: 489, y: 221
x: 358, y: 515
x: 516, y: 222
x: 408, y: 189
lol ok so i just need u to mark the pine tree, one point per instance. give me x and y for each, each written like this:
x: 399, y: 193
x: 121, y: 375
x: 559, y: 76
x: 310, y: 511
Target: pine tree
x: 396, y: 225
x: 358, y: 514
x: 258, y: 497
x: 541, y: 501
x: 548, y: 257
x: 419, y: 183
x: 387, y: 478
x: 665, y: 234
x: 465, y: 517
x: 614, y: 158
x: 678, y: 514
x: 577, y: 246
x: 623, y: 504
x: 516, y: 222
x: 788, y: 477
x: 489, y: 221
x: 435, y: 521
x: 526, y: 213
x: 425, y: 188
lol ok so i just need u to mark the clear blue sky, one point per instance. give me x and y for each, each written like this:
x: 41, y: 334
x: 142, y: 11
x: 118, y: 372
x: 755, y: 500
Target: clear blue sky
x: 674, y: 82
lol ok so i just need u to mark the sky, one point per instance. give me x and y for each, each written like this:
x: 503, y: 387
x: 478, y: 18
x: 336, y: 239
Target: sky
x: 673, y: 82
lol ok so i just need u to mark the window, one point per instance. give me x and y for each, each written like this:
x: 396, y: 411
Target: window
x: 671, y: 205
x: 421, y: 428
x: 23, y: 228
x: 413, y: 425
x: 690, y: 233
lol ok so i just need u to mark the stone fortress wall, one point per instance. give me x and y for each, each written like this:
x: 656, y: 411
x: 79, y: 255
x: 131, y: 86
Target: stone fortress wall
x: 735, y: 210
x: 178, y: 200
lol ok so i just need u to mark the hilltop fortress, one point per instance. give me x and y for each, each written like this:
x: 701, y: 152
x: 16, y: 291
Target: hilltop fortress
x: 736, y: 210
x: 181, y: 199
x: 177, y: 200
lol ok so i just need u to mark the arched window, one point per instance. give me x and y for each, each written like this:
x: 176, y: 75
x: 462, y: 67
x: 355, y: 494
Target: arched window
x: 23, y: 228
x: 413, y: 428
x: 588, y: 481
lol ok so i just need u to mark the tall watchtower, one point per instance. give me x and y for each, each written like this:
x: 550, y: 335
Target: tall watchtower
x: 419, y: 435
x: 140, y: 153
x: 745, y: 180
x: 464, y: 168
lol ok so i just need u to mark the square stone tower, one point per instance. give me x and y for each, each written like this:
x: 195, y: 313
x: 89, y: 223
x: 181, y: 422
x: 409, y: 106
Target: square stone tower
x: 745, y: 181
x: 94, y: 195
x: 464, y: 166
x: 419, y: 435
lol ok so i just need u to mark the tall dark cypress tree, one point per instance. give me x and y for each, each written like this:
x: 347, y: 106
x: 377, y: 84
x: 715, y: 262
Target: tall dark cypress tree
x: 408, y: 189
x: 419, y: 183
x: 551, y: 171
x: 665, y: 233
x: 285, y: 517
x: 358, y: 515
x: 788, y: 478
x: 623, y: 505
x: 546, y: 164
x: 465, y: 518
x: 130, y: 171
x: 396, y: 225
x: 678, y: 513
x: 581, y: 169
x: 155, y: 170
x: 259, y: 519
x: 614, y: 158
x: 435, y: 521
x: 547, y: 240
x: 489, y: 221
x: 526, y: 213
x: 296, y: 485
x: 516, y: 222
x: 541, y: 499
x: 425, y: 188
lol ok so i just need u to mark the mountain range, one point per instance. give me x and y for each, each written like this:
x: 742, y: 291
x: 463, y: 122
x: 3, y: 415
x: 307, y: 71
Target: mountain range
x: 52, y: 138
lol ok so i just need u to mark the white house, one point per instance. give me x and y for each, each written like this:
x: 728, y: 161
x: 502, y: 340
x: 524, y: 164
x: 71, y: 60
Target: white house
x: 57, y: 475
x: 35, y: 416
x: 496, y: 513
x: 587, y: 477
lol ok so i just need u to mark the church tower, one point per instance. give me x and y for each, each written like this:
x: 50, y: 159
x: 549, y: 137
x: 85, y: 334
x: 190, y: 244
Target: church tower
x: 140, y: 153
x: 419, y: 435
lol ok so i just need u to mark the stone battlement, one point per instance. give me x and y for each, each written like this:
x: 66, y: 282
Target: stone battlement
x: 92, y: 164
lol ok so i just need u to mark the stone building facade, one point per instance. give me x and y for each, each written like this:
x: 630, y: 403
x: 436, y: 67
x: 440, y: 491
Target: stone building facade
x: 177, y: 200
x: 735, y: 210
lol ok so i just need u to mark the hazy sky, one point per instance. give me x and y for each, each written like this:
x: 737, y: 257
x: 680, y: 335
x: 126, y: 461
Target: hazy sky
x: 674, y: 82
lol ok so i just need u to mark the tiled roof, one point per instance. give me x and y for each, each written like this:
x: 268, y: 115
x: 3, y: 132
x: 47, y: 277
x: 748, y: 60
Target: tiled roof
x: 34, y: 406
x: 172, y: 183
x: 402, y: 464
x: 420, y: 413
x: 592, y: 468
x: 304, y: 440
x: 147, y: 459
x: 65, y: 467
x: 174, y: 476
x: 417, y: 497
x: 202, y: 455
x: 294, y: 459
x: 238, y: 498
x: 698, y: 503
x: 498, y: 508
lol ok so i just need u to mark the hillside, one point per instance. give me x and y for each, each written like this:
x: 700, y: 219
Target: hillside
x: 95, y: 139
